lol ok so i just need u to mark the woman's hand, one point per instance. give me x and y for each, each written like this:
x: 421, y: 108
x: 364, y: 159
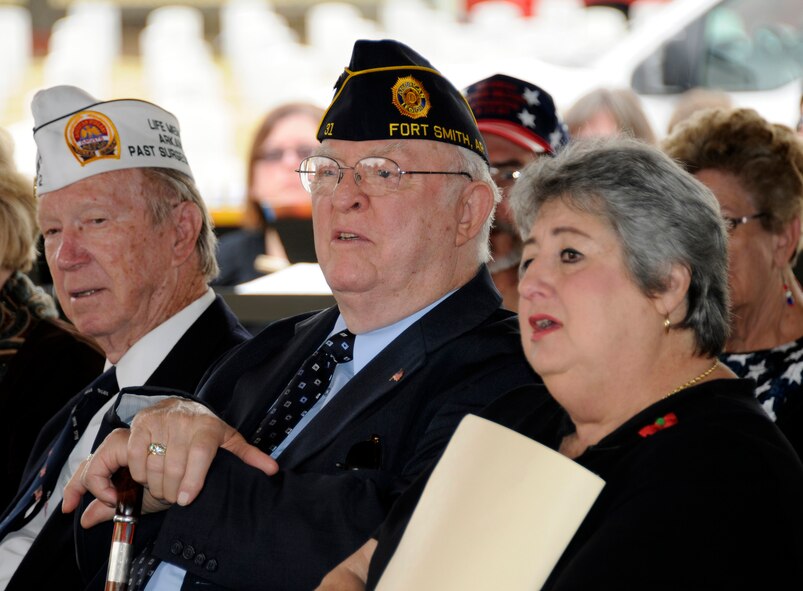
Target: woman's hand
x: 352, y: 573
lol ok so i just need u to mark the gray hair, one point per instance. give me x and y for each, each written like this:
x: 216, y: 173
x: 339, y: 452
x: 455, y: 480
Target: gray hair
x: 473, y: 164
x: 660, y: 213
x: 171, y: 185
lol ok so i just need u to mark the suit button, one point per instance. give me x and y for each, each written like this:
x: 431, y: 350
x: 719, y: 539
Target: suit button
x: 200, y: 559
x: 176, y: 547
x: 189, y: 552
x: 211, y: 566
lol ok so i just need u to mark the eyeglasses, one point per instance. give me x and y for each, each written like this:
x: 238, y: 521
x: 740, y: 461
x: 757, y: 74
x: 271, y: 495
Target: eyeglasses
x: 277, y: 154
x: 733, y: 223
x: 374, y: 175
x: 505, y: 173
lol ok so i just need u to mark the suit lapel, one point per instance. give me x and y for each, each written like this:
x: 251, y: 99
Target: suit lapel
x: 381, y: 376
x: 213, y: 333
x: 461, y: 312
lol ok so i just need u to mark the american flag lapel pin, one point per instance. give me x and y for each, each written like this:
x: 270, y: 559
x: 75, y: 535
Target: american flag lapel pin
x: 397, y: 376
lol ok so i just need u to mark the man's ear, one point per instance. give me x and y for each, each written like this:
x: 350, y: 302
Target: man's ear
x: 786, y: 242
x: 474, y: 205
x: 672, y: 302
x: 187, y: 221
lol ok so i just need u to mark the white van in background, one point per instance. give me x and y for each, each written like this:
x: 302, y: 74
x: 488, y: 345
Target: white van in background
x: 752, y: 49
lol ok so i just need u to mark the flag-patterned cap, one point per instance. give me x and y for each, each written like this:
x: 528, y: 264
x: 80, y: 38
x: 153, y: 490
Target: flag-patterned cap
x: 518, y: 111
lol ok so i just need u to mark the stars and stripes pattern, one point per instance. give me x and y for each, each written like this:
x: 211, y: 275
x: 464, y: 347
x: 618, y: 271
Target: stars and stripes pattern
x: 778, y: 373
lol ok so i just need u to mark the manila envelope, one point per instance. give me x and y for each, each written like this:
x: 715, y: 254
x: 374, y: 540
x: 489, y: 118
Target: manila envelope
x: 497, y: 513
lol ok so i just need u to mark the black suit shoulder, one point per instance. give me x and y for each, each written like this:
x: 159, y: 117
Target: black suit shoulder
x: 215, y: 333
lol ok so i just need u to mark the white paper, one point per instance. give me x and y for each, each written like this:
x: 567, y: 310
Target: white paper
x: 298, y: 279
x: 497, y: 513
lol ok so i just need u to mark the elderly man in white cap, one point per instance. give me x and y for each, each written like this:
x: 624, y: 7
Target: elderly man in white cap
x: 354, y: 401
x: 130, y: 247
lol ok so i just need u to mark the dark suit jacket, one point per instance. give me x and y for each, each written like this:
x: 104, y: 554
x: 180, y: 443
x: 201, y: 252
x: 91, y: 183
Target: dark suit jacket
x: 54, y: 362
x: 51, y: 560
x: 250, y: 531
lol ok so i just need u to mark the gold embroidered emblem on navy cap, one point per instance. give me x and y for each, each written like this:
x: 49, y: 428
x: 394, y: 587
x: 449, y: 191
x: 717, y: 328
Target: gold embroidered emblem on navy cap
x: 410, y: 97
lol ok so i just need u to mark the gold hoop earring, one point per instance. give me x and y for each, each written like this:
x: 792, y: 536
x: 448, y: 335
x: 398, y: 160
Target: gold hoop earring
x: 667, y: 324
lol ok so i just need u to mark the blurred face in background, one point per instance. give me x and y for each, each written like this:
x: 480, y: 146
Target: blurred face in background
x: 600, y: 124
x: 751, y: 248
x: 506, y: 160
x: 275, y: 182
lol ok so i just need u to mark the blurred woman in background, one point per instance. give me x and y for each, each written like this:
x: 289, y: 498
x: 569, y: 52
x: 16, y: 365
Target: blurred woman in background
x: 755, y: 169
x: 606, y: 112
x: 275, y: 196
x: 694, y: 100
x: 43, y: 361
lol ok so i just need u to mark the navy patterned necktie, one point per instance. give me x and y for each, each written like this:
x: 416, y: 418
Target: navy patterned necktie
x: 304, y: 390
x: 44, y: 481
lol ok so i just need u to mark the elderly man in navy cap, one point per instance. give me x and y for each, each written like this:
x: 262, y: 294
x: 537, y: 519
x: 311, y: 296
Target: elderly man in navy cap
x: 354, y: 401
x: 519, y: 123
x: 130, y: 247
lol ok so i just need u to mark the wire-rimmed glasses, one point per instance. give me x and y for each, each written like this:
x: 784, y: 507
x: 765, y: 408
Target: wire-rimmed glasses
x: 375, y: 175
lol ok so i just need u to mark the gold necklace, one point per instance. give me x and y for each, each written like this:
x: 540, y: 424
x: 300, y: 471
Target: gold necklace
x: 693, y: 381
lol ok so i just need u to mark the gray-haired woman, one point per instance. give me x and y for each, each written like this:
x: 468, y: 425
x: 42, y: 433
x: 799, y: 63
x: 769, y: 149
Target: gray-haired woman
x: 623, y: 311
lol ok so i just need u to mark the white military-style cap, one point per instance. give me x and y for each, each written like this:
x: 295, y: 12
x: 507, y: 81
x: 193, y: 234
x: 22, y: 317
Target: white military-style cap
x: 78, y: 136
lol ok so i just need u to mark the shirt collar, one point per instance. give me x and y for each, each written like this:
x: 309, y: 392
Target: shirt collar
x: 368, y: 345
x: 144, y: 356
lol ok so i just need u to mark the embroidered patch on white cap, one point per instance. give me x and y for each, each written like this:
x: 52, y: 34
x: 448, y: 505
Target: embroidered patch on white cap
x: 78, y: 136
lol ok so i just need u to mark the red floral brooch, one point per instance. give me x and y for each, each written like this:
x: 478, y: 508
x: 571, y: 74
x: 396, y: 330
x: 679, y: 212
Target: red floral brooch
x: 660, y: 424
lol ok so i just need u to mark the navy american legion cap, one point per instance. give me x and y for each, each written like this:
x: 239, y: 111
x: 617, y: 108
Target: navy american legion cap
x: 390, y: 92
x: 517, y: 111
